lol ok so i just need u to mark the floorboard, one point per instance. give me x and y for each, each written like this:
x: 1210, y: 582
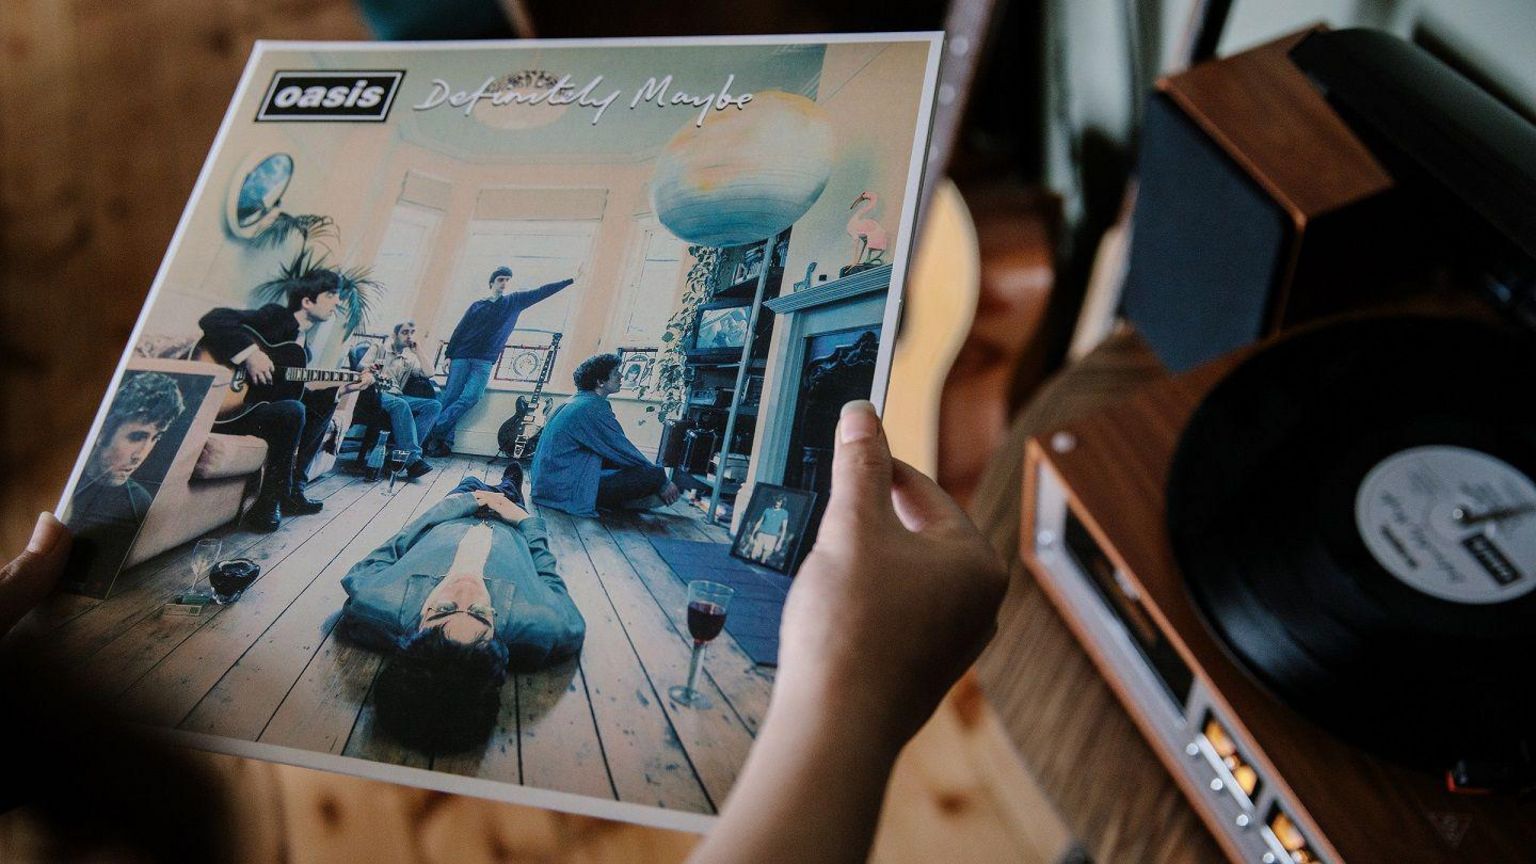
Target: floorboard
x: 273, y: 668
x: 644, y: 754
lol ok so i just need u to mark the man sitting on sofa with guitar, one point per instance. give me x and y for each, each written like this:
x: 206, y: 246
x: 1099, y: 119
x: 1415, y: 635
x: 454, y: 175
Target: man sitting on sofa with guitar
x: 274, y: 396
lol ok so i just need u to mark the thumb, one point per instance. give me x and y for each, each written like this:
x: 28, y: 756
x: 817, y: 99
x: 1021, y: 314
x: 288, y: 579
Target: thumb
x: 29, y: 576
x: 861, y: 466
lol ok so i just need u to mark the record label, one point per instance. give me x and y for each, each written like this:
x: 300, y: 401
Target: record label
x: 1451, y: 522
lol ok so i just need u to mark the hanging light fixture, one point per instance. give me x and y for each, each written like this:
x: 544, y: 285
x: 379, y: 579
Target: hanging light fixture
x: 513, y: 105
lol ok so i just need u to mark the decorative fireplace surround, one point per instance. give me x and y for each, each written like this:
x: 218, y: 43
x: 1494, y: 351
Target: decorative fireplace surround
x: 852, y: 302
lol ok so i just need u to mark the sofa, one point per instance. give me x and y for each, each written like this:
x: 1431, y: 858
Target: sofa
x: 212, y: 475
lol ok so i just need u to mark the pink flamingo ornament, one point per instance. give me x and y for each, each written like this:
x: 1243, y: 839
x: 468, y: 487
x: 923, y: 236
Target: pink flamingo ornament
x: 866, y: 232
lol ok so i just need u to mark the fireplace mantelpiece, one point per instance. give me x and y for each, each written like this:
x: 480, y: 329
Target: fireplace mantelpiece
x: 854, y: 301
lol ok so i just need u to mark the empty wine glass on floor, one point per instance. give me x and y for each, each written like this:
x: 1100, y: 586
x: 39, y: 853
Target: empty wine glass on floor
x: 396, y: 465
x: 205, y: 554
x: 707, y: 605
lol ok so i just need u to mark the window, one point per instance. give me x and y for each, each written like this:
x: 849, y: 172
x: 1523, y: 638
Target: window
x: 399, y: 263
x: 538, y: 253
x: 652, y: 288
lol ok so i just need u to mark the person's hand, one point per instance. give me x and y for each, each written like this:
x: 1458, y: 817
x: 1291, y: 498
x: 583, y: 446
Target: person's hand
x: 363, y: 383
x: 27, y: 579
x: 896, y: 599
x: 259, y: 367
x: 669, y: 493
x: 501, y: 505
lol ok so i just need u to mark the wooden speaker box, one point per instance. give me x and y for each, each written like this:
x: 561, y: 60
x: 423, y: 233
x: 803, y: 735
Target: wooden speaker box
x: 1271, y: 785
x: 1258, y: 209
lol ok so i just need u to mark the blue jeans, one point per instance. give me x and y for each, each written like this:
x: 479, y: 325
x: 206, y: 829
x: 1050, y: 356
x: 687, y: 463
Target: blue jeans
x: 410, y: 420
x: 466, y: 384
x: 475, y: 484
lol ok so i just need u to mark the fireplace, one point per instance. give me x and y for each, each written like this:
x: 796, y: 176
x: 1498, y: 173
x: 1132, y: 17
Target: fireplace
x: 827, y: 349
x: 839, y: 367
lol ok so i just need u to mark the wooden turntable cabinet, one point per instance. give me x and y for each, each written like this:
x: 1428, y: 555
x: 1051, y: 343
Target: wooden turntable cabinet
x: 1270, y: 785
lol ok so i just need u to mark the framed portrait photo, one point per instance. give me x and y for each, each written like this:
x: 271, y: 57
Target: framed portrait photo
x: 774, y: 524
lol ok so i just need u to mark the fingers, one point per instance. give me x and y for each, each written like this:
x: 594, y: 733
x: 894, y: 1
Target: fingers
x: 861, y: 466
x: 921, y: 504
x: 29, y: 576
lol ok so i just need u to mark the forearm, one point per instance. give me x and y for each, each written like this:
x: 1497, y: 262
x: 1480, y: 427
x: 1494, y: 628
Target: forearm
x: 424, y: 360
x: 811, y: 789
x: 524, y: 299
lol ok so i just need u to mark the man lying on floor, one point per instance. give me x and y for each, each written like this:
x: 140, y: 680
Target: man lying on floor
x: 462, y: 595
x: 584, y: 460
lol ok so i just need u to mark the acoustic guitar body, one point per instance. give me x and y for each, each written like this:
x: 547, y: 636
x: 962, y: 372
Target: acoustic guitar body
x: 288, y: 378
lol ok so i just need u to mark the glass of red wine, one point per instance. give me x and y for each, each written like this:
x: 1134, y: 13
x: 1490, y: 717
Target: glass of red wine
x: 707, y: 604
x: 396, y: 466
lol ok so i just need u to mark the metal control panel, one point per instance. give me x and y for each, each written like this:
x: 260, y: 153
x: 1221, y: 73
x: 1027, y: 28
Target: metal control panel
x: 1211, y: 758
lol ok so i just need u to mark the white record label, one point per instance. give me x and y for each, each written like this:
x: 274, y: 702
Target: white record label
x: 1454, y: 523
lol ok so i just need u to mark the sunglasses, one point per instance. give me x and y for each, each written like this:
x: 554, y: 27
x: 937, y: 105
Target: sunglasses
x: 482, y: 612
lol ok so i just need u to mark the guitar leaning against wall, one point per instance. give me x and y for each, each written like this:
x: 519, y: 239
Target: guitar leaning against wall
x: 519, y: 434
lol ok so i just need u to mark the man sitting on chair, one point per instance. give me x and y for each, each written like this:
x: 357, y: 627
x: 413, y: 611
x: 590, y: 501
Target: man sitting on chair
x: 410, y: 417
x: 584, y: 459
x: 461, y: 596
x: 292, y: 428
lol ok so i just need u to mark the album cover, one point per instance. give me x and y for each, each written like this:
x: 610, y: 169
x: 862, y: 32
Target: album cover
x: 404, y: 472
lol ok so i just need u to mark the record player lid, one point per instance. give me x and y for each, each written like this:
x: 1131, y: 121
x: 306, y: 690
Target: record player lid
x: 1431, y: 119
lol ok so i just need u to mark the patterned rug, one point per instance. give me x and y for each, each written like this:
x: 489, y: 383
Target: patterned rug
x: 753, y: 619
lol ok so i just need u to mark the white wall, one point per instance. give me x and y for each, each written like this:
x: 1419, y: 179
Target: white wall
x: 870, y: 93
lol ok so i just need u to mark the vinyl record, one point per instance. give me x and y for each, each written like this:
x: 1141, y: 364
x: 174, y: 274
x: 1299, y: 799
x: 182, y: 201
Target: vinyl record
x: 1354, y: 511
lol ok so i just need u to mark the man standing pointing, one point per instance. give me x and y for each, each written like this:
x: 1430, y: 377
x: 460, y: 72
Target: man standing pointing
x: 473, y: 348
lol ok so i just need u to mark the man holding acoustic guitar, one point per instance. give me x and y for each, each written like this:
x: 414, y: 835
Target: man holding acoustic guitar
x: 269, y: 397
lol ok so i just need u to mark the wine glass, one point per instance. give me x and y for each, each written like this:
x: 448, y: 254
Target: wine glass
x: 205, y: 554
x: 397, y: 460
x: 707, y: 605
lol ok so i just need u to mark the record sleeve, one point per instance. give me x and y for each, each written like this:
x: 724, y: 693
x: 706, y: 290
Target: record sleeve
x: 392, y: 251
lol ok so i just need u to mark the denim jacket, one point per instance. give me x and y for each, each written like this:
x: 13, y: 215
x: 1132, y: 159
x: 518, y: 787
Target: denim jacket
x: 535, y: 616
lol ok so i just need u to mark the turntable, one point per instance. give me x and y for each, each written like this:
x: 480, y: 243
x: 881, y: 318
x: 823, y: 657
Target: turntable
x: 1267, y: 777
x: 1308, y: 569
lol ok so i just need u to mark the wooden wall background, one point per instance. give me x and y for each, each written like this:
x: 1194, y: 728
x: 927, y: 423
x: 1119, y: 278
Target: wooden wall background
x: 106, y: 112
x: 107, y: 109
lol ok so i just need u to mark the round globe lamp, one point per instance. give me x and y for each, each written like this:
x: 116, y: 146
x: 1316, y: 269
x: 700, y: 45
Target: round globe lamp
x: 745, y: 174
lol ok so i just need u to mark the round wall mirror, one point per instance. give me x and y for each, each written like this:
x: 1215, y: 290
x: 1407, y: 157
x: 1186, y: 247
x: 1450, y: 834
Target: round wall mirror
x: 253, y: 202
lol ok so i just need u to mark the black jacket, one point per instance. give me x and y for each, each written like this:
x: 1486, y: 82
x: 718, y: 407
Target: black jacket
x: 224, y: 333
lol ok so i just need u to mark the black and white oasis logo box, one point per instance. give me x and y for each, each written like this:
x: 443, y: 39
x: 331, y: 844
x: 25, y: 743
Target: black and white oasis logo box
x: 347, y: 96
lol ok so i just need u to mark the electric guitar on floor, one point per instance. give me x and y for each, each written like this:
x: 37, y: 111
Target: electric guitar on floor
x: 289, y: 377
x: 518, y: 435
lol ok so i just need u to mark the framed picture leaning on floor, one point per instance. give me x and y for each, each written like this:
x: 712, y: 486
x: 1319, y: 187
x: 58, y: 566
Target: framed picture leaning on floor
x: 774, y: 524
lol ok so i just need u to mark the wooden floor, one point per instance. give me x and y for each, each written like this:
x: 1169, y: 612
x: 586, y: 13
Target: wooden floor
x: 270, y: 668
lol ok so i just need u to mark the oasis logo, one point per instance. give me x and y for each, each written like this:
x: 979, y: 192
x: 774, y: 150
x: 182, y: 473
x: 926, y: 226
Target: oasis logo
x: 345, y: 96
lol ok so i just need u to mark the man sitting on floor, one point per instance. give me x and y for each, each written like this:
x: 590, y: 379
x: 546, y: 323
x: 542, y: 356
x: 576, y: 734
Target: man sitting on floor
x: 463, y: 594
x: 410, y: 417
x: 584, y: 459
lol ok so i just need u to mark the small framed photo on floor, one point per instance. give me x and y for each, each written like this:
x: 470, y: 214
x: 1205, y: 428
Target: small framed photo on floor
x: 774, y: 524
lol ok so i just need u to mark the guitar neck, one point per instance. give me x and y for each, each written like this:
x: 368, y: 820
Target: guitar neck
x: 306, y: 375
x: 549, y: 361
